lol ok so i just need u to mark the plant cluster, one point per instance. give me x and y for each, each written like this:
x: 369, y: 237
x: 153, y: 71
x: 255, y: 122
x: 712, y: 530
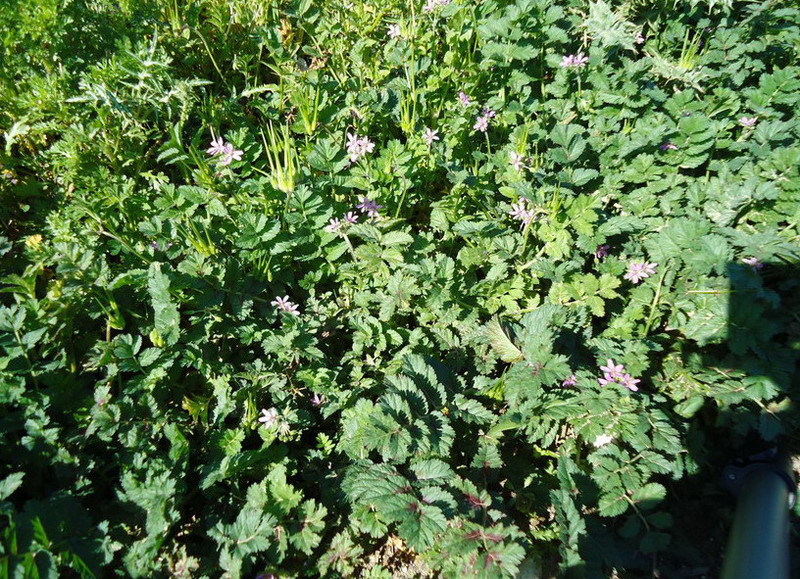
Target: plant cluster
x: 380, y: 289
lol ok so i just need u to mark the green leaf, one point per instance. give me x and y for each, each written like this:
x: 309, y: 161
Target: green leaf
x: 501, y: 343
x: 167, y: 319
x: 9, y: 484
x: 649, y: 495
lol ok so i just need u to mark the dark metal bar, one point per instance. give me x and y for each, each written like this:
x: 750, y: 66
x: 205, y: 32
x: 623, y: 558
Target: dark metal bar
x: 758, y: 547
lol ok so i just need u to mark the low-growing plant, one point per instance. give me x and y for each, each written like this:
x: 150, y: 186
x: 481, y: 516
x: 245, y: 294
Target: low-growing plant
x: 431, y: 289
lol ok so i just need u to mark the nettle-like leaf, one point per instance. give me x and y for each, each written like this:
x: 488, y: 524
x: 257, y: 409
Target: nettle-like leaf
x: 501, y: 342
x: 608, y: 27
x: 167, y: 319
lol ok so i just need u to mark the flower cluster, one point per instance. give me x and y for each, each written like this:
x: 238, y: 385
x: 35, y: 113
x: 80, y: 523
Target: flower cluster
x: 522, y: 212
x: 433, y: 4
x: 616, y: 374
x: 482, y: 123
x: 358, y: 146
x: 365, y: 205
x: 226, y: 151
x: 368, y: 206
x: 336, y: 224
x: 638, y: 270
x: 283, y: 304
x: 574, y: 60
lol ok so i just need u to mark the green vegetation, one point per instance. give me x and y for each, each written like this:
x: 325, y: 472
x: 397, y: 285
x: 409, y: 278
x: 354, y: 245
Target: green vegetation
x: 391, y: 289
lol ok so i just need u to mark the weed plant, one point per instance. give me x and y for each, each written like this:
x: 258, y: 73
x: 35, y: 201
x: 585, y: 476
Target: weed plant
x: 391, y: 289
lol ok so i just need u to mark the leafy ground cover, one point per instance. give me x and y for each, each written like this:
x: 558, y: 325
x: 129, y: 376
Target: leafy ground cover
x: 383, y: 289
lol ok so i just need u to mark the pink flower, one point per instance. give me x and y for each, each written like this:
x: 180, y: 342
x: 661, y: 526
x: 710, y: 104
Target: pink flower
x: 668, y: 147
x: 283, y: 304
x: 394, y: 31
x: 358, y: 146
x: 462, y: 96
x: 317, y: 400
x: 629, y: 382
x: 481, y: 124
x: 574, y: 60
x: 432, y: 4
x: 430, y: 136
x: 607, y: 379
x: 571, y: 380
x: 217, y: 146
x: 521, y: 212
x: 615, y: 374
x: 350, y: 217
x: 748, y: 121
x: 753, y: 262
x: 368, y: 206
x: 230, y: 154
x: 602, y: 251
x: 611, y: 368
x: 333, y: 226
x: 639, y: 38
x: 639, y: 270
x: 516, y: 160
x: 268, y: 417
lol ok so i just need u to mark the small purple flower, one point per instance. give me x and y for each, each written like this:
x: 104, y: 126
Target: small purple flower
x: 334, y: 225
x: 516, y: 160
x: 602, y: 251
x: 607, y: 379
x: 521, y: 212
x: 571, y: 380
x: 358, y: 146
x: 394, y: 31
x: 433, y: 4
x: 753, y: 262
x: 154, y: 245
x: 462, y: 96
x: 430, y: 136
x: 230, y: 154
x: 629, y: 382
x: 481, y: 124
x: 368, y: 206
x: 639, y: 38
x: 612, y: 369
x: 217, y: 146
x: 748, y: 121
x: 284, y: 305
x: 668, y: 147
x: 574, y: 60
x: 639, y: 270
x: 268, y: 417
x: 616, y: 374
x: 317, y: 400
x: 350, y: 218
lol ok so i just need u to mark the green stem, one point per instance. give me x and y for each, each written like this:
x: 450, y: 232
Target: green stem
x: 654, y: 305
